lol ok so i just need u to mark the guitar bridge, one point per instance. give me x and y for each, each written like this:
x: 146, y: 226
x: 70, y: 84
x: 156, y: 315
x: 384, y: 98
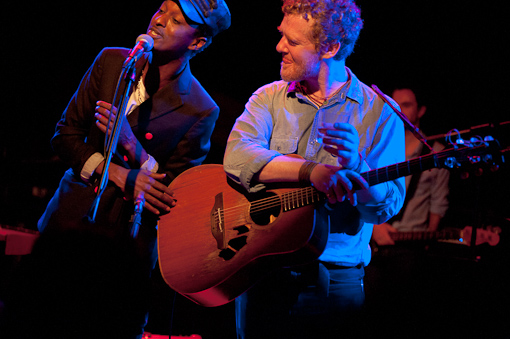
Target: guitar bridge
x: 217, y: 221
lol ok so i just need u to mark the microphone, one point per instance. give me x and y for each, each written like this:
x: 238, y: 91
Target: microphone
x: 144, y: 43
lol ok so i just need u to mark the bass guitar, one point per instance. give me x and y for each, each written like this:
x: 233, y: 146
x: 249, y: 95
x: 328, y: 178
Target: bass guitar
x: 219, y: 240
x: 460, y: 236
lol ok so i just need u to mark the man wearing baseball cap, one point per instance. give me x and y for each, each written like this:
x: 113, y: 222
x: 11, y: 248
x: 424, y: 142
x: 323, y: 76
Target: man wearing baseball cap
x: 212, y: 13
x: 167, y: 128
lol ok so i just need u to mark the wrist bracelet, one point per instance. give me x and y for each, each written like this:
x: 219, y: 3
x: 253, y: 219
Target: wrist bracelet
x: 305, y: 171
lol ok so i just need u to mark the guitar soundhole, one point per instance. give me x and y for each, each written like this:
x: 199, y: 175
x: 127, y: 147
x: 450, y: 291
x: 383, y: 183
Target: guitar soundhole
x: 263, y: 211
x: 238, y: 243
x: 227, y: 254
x: 241, y: 229
x: 234, y: 246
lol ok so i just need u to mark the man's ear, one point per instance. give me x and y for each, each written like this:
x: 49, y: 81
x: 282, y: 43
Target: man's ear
x: 198, y: 43
x: 331, y: 50
x: 421, y: 111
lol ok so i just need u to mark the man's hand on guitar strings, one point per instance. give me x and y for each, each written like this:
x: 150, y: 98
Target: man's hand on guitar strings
x: 337, y: 183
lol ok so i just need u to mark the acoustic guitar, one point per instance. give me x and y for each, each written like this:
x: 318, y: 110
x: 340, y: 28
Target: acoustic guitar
x: 219, y: 240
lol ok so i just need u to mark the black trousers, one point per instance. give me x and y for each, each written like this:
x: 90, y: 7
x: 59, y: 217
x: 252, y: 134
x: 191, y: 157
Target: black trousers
x: 306, y: 302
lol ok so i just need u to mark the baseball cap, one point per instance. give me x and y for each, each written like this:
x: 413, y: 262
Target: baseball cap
x: 212, y: 13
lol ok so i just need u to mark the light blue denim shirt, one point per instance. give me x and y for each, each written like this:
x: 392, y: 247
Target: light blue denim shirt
x: 280, y: 120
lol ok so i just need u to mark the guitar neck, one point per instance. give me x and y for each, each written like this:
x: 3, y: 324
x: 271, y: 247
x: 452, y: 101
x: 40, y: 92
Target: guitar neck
x: 426, y: 235
x: 405, y: 168
x: 308, y: 195
x: 445, y: 159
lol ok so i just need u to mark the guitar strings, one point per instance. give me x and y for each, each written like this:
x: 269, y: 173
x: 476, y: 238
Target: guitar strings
x: 256, y: 207
x: 296, y: 198
x: 274, y: 201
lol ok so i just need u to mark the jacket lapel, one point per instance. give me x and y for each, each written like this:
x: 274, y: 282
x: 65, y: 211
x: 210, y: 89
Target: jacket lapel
x: 162, y: 102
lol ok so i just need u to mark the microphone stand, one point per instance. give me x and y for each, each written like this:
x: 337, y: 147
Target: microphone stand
x: 137, y: 217
x: 415, y: 130
x: 128, y: 75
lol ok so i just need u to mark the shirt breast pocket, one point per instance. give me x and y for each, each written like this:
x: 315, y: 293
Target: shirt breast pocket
x: 287, y: 145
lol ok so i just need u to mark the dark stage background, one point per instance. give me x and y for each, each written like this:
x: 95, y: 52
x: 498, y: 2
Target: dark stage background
x: 455, y: 51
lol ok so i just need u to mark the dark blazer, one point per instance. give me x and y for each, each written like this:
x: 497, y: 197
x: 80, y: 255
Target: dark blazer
x: 174, y: 126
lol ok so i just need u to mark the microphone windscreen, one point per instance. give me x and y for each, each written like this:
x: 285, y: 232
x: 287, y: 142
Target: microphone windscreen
x: 147, y: 42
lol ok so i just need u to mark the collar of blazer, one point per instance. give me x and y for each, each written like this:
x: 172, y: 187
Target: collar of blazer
x: 165, y: 100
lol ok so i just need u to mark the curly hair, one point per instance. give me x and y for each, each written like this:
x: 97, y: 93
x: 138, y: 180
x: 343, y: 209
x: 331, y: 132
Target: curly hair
x: 335, y: 21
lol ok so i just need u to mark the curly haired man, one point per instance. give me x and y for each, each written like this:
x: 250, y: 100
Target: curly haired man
x: 340, y: 128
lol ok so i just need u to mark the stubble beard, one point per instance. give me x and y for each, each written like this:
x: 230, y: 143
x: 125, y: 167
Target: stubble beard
x: 303, y: 71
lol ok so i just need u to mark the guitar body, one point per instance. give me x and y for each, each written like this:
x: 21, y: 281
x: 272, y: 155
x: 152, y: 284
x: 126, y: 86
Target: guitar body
x: 218, y: 240
x: 213, y: 245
